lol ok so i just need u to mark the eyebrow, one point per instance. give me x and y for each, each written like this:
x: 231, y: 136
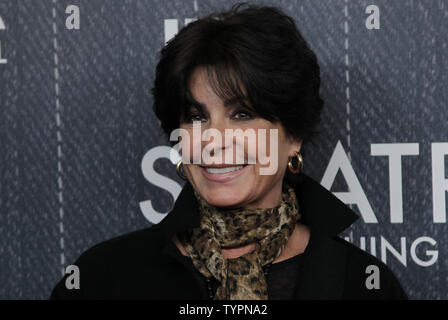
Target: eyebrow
x: 229, y: 102
x: 198, y: 105
x: 234, y: 100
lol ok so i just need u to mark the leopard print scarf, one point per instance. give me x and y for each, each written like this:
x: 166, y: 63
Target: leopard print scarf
x: 240, y: 278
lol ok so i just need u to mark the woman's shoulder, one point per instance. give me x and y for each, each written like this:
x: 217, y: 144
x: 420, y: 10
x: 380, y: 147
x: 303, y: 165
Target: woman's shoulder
x: 123, y: 245
x: 102, y: 264
x: 367, y: 276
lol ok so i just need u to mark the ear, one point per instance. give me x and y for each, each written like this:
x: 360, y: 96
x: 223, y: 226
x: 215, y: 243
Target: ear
x: 295, y: 146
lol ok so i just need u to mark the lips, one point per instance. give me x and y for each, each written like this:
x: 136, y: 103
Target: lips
x: 221, y: 170
x: 223, y: 173
x: 224, y: 165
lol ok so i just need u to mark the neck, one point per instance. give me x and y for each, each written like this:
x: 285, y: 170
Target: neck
x: 269, y: 200
x: 236, y: 252
x: 296, y: 244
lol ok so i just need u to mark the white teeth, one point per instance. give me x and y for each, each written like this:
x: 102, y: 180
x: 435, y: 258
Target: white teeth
x: 223, y: 170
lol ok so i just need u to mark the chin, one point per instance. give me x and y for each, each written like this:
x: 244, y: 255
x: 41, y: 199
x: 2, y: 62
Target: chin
x: 231, y: 192
x: 223, y: 196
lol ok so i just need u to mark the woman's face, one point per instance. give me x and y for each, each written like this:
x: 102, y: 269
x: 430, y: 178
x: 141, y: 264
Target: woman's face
x: 246, y: 187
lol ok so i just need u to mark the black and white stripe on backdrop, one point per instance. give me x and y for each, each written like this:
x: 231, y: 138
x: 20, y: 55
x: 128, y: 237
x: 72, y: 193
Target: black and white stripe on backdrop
x: 83, y: 158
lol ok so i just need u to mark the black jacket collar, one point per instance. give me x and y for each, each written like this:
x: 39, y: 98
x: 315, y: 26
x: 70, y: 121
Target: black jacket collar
x: 323, y: 212
x: 323, y: 268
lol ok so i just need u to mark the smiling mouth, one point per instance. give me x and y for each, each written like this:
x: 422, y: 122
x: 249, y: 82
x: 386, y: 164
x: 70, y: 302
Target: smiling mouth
x: 223, y: 169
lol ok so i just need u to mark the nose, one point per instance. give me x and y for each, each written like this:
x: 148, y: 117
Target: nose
x: 214, y: 141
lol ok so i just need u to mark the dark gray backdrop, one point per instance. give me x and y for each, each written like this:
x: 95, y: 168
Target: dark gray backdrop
x: 76, y: 121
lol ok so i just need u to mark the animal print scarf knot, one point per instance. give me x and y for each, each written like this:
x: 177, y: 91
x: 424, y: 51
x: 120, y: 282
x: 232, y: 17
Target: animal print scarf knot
x: 240, y: 278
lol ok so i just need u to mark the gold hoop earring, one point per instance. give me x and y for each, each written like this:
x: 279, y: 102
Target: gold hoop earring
x: 299, y: 165
x: 179, y: 171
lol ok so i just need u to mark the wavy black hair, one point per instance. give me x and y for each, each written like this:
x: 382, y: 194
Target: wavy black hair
x: 260, y: 47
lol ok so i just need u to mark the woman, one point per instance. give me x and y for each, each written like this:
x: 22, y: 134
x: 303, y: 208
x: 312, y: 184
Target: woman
x: 235, y: 233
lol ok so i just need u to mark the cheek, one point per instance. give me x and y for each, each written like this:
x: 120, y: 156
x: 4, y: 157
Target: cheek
x: 266, y: 144
x: 272, y: 151
x: 189, y: 143
x: 187, y: 150
x: 193, y: 174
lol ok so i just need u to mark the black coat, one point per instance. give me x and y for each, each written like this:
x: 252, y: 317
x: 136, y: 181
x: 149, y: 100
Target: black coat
x: 146, y: 264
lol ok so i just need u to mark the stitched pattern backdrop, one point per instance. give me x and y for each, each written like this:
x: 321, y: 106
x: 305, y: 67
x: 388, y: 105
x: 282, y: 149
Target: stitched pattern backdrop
x: 76, y: 122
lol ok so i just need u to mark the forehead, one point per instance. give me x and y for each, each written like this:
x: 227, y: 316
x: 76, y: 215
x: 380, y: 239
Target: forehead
x: 200, y: 86
x: 209, y: 85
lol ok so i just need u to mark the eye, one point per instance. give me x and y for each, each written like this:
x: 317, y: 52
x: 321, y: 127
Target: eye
x: 195, y: 117
x: 242, y: 115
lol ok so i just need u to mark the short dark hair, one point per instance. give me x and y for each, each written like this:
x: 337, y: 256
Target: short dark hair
x: 260, y: 46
